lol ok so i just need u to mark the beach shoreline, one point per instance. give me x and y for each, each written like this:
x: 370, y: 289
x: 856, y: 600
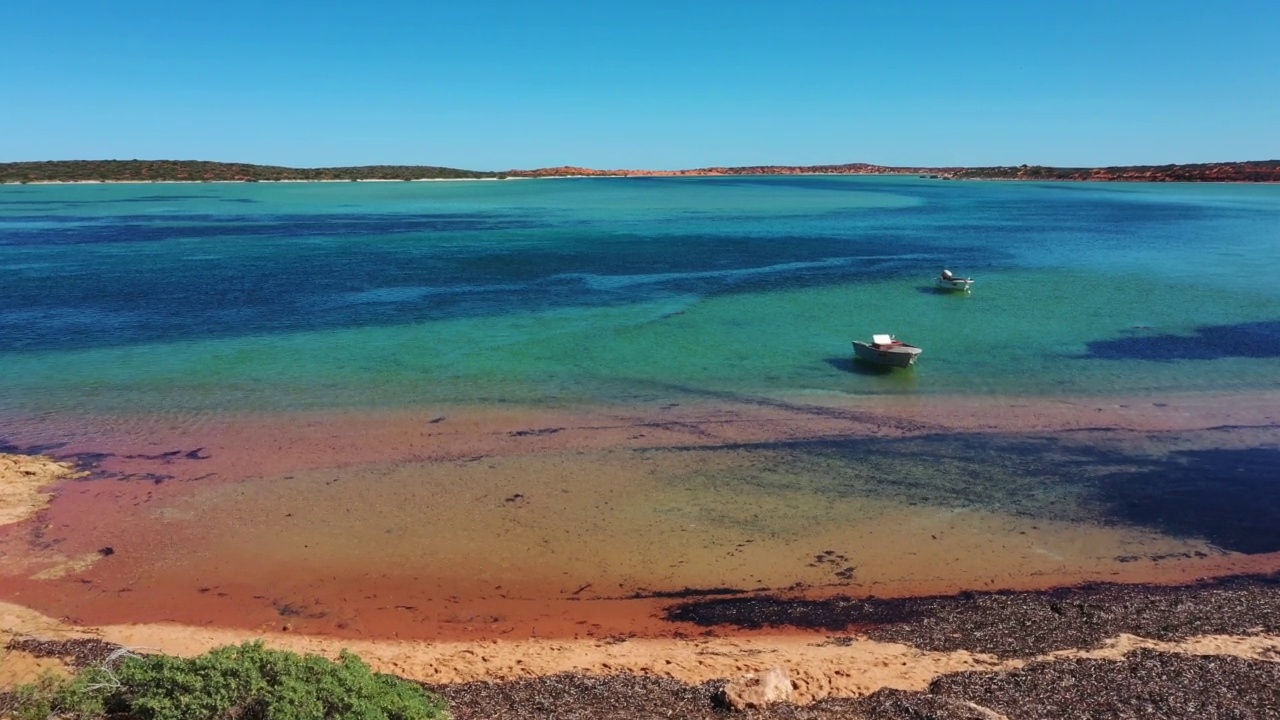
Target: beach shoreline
x: 83, y: 561
x: 1236, y: 618
x: 185, y: 511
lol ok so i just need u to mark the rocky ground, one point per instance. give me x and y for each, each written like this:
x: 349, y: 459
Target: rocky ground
x: 1145, y: 684
x: 1017, y: 624
x: 1073, y: 666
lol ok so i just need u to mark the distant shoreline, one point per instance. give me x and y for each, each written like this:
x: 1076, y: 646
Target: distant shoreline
x: 242, y: 181
x: 199, y: 171
x: 4, y: 183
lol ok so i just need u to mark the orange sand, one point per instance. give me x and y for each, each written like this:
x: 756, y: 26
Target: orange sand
x: 818, y: 668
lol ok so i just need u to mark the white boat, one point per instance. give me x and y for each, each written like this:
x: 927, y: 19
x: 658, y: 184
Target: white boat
x: 886, y: 350
x: 947, y: 281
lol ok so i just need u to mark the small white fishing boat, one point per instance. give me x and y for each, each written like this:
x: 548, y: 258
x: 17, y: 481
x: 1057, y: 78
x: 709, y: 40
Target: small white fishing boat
x: 886, y: 350
x: 948, y: 281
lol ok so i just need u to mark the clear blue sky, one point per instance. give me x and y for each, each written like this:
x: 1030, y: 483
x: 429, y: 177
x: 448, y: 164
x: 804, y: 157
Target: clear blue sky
x: 498, y: 84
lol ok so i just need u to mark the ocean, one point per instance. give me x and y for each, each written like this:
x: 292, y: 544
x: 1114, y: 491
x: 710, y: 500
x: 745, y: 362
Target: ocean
x: 1101, y: 396
x: 282, y: 296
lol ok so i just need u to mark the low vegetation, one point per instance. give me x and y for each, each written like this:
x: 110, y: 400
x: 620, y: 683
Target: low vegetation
x: 205, y: 171
x: 201, y: 170
x: 241, y: 682
x: 1258, y: 171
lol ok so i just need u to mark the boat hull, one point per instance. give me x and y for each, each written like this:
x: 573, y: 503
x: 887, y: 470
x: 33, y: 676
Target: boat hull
x: 956, y: 284
x: 900, y: 355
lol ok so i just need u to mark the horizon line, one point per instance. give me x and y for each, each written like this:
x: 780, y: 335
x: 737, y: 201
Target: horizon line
x: 570, y: 166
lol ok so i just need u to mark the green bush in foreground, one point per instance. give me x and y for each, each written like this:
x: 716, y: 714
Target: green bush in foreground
x: 244, y: 682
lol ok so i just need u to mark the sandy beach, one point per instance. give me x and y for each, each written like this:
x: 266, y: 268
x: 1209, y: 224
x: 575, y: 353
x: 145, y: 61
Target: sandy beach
x: 1232, y: 668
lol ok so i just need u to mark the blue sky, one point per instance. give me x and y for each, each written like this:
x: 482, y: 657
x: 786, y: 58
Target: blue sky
x: 492, y: 84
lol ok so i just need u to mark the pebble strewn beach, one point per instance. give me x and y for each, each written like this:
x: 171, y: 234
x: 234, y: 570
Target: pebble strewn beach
x: 1099, y: 667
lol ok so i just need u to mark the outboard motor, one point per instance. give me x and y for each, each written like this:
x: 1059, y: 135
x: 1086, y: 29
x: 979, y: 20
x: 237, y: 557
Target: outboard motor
x: 946, y: 274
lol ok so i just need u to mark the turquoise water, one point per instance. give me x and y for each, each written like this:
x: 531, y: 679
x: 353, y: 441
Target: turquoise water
x: 226, y: 297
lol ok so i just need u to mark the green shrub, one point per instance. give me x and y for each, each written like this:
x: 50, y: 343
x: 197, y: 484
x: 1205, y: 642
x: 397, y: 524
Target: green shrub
x: 33, y: 701
x: 51, y: 696
x: 243, y: 682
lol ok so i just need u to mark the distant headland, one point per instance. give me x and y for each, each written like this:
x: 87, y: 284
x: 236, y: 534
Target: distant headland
x: 207, y: 171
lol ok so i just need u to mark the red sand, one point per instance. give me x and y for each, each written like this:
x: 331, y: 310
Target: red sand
x: 518, y: 524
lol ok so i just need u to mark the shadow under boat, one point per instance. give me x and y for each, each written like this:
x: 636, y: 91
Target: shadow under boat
x: 905, y: 380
